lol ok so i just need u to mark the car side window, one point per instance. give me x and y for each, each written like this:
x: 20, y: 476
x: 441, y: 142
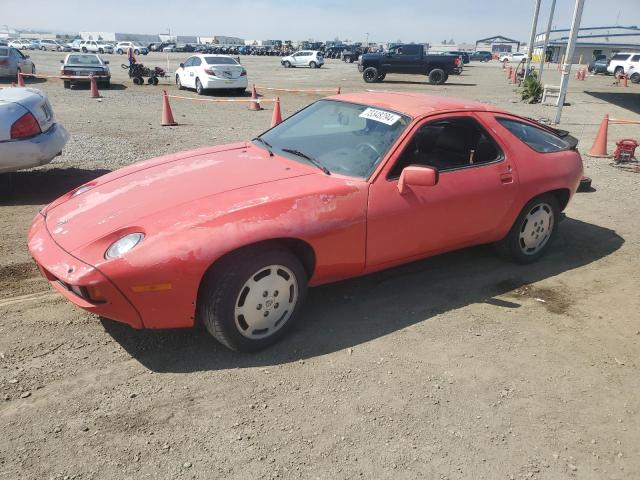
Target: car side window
x: 411, y: 49
x: 635, y: 58
x: 188, y: 63
x: 449, y: 144
x: 195, y: 62
x: 538, y: 139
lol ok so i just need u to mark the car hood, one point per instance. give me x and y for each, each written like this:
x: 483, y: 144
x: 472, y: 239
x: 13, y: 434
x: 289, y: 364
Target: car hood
x: 121, y: 200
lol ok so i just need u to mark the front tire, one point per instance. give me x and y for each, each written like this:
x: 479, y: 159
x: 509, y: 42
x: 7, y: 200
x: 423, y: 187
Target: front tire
x: 370, y: 75
x: 635, y: 78
x: 252, y: 298
x: 533, y: 231
x: 179, y: 83
x: 313, y: 65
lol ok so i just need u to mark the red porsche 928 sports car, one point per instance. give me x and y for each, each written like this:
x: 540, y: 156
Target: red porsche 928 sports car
x: 232, y: 236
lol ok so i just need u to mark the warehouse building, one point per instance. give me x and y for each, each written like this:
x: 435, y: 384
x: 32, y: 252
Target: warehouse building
x: 498, y: 44
x: 590, y: 42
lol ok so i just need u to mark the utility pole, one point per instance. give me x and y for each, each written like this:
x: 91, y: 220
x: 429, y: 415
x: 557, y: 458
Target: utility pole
x: 532, y: 37
x: 546, y: 40
x: 568, y: 59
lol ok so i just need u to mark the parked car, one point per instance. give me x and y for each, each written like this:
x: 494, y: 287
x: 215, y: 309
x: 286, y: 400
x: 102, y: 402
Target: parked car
x: 304, y: 58
x: 408, y: 59
x: 514, y: 57
x: 20, y: 44
x: 53, y: 45
x: 85, y: 65
x: 463, y: 55
x: 13, y: 61
x: 122, y: 47
x: 207, y: 72
x: 29, y: 134
x: 482, y: 56
x: 622, y: 62
x: 75, y: 44
x: 93, y: 46
x: 598, y: 64
x: 634, y: 74
x: 170, y: 47
x: 350, y: 185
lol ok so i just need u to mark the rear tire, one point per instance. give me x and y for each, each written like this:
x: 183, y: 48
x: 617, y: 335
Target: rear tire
x: 635, y: 78
x: 313, y: 64
x: 532, y: 232
x: 199, y: 89
x: 246, y: 314
x: 66, y: 84
x: 437, y: 76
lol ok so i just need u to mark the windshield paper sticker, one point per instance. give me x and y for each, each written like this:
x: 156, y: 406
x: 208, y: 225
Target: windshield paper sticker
x: 387, y: 118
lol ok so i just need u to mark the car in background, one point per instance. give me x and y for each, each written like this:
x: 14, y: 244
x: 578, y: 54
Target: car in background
x: 122, y: 47
x: 51, y: 45
x: 169, y: 47
x: 231, y: 236
x: 464, y: 56
x: 13, y: 61
x: 304, y: 58
x: 634, y: 74
x: 29, y: 134
x: 85, y: 65
x: 598, y: 64
x: 482, y: 56
x: 93, y: 46
x: 34, y: 44
x: 621, y: 62
x: 514, y: 57
x: 209, y: 72
x: 20, y: 44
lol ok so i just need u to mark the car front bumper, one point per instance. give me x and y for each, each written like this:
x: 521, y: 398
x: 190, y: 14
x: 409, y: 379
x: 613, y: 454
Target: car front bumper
x: 219, y: 83
x: 72, y: 277
x: 33, y: 152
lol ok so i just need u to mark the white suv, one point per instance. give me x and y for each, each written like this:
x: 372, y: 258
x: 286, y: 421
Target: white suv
x: 91, y: 46
x: 515, y: 57
x: 304, y: 58
x: 622, y: 62
x: 122, y: 47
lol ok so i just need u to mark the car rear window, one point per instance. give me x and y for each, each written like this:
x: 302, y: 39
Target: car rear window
x: 220, y: 61
x: 4, y: 52
x: 620, y: 56
x: 538, y: 139
x: 83, y: 60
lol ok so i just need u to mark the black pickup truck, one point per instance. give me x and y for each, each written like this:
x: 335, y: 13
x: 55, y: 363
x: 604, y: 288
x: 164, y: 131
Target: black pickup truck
x: 409, y: 59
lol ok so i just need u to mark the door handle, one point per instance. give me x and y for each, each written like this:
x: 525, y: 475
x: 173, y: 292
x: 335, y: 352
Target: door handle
x: 506, y: 178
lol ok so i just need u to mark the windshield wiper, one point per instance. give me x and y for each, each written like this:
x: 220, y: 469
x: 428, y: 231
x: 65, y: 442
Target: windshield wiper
x: 315, y: 162
x: 265, y: 143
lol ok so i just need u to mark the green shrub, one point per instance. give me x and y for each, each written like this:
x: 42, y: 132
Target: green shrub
x: 531, y: 89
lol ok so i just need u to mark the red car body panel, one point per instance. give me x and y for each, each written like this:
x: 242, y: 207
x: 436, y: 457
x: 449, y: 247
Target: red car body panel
x: 195, y: 207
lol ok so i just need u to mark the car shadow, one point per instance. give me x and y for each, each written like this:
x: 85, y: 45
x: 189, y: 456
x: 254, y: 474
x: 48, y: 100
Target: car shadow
x: 86, y: 86
x: 626, y: 100
x: 426, y: 83
x: 28, y: 81
x: 352, y: 312
x: 39, y: 187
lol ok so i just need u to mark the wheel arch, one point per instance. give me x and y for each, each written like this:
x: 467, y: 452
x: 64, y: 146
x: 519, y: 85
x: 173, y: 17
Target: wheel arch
x: 562, y: 195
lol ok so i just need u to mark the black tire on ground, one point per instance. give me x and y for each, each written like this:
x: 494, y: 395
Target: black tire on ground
x: 59, y: 49
x: 155, y: 81
x: 513, y: 246
x: 179, y: 83
x: 618, y: 70
x: 224, y: 293
x: 370, y: 75
x: 137, y: 52
x: 313, y: 64
x: 119, y: 51
x: 6, y: 184
x: 150, y: 80
x: 199, y: 89
x: 437, y: 76
x: 43, y: 48
x: 66, y: 84
x: 84, y: 49
x: 635, y: 78
x: 286, y: 64
x: 137, y: 80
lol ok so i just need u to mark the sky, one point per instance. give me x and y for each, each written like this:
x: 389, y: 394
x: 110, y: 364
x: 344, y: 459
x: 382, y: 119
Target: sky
x: 385, y: 20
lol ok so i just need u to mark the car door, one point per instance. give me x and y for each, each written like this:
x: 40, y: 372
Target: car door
x: 187, y: 77
x: 634, y: 62
x: 409, y: 59
x: 22, y: 62
x: 471, y: 201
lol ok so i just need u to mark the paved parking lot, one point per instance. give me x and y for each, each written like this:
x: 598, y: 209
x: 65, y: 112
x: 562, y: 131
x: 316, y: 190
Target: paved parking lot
x: 461, y: 366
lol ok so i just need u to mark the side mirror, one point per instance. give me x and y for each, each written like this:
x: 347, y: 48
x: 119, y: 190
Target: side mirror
x: 61, y: 61
x: 182, y: 65
x: 418, y: 177
x: 106, y: 62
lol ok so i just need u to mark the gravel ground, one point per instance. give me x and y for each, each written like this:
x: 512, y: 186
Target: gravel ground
x: 459, y: 367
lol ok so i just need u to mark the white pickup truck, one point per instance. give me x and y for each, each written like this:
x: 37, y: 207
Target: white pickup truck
x: 92, y: 46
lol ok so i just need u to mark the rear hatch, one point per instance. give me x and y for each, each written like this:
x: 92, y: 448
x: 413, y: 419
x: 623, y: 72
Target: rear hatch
x: 30, y: 99
x: 227, y: 71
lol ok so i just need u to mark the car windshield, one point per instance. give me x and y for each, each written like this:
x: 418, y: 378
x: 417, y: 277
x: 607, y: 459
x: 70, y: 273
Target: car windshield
x: 83, y: 60
x: 220, y: 61
x: 344, y: 138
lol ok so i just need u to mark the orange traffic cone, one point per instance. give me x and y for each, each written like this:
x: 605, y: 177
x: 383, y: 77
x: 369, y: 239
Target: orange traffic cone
x: 277, y: 115
x: 338, y: 91
x: 167, y: 115
x: 94, y: 87
x: 255, y: 105
x: 599, y: 147
x: 20, y: 79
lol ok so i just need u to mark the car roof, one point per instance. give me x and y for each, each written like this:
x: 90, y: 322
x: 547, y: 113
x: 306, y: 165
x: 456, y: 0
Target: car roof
x: 414, y: 104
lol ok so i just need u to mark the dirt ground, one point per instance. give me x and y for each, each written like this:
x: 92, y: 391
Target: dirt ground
x: 457, y: 367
